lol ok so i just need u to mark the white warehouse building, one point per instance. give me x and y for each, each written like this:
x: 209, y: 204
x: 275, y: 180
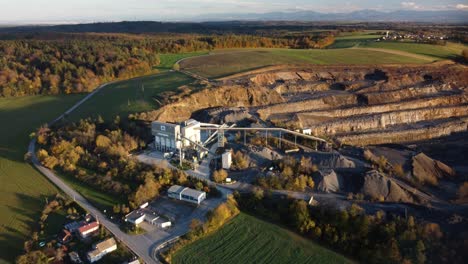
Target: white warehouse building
x: 186, y: 194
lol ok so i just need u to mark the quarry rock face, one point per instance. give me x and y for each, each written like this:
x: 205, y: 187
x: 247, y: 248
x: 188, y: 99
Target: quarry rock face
x: 221, y: 115
x: 378, y: 186
x: 427, y: 170
x: 235, y: 96
x: 355, y: 105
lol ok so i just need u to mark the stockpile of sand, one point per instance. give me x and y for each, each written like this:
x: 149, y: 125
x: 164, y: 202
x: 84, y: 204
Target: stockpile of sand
x: 328, y: 181
x: 427, y: 170
x: 332, y: 161
x: 378, y: 186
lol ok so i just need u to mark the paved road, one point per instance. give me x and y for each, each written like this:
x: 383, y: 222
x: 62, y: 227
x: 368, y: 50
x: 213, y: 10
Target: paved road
x: 138, y: 245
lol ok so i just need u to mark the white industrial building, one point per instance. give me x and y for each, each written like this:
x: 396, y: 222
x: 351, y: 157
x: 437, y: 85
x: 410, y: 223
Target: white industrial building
x: 226, y: 159
x: 307, y: 131
x: 166, y: 136
x: 186, y: 194
x: 190, y: 133
x: 138, y: 216
x: 171, y: 137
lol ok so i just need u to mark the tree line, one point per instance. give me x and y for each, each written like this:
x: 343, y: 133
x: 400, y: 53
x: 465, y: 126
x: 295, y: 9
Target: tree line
x: 75, y: 63
x: 377, y: 238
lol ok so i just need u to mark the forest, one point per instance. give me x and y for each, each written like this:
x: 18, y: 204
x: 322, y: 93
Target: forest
x: 377, y: 238
x: 56, y: 63
x: 97, y: 153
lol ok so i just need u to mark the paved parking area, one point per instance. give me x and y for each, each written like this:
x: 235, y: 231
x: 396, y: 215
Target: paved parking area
x: 172, y: 209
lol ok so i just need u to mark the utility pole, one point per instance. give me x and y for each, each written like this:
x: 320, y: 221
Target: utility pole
x: 266, y: 137
x: 245, y: 141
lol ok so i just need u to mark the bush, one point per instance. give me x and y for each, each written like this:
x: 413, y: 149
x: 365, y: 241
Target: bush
x: 398, y: 170
x: 220, y: 176
x: 465, y: 54
x: 240, y: 161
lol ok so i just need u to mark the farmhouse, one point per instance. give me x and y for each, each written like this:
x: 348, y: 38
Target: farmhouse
x: 137, y: 217
x: 186, y: 194
x: 87, y: 229
x: 101, y: 249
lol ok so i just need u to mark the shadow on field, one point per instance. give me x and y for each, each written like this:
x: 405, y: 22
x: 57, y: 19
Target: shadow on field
x: 12, y: 239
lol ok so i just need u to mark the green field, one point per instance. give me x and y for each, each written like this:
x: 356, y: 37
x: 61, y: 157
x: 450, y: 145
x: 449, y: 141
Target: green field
x: 225, y: 63
x: 449, y: 51
x: 131, y: 96
x: 99, y: 199
x: 168, y: 60
x: 351, y: 40
x: 23, y: 189
x: 246, y: 239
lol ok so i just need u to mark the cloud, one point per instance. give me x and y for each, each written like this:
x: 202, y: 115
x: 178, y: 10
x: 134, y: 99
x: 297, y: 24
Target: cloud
x: 410, y: 5
x: 461, y: 7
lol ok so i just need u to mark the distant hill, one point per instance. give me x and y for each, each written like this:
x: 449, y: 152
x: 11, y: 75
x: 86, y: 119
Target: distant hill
x: 449, y: 16
x: 244, y: 23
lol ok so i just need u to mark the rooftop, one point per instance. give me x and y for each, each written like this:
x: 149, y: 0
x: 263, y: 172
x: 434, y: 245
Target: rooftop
x: 148, y: 214
x: 87, y: 227
x: 184, y: 190
x: 192, y: 192
x: 74, y: 225
x: 176, y: 189
x: 101, y: 246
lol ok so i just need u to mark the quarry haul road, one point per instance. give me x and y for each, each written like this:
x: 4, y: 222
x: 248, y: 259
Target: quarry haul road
x: 139, y: 245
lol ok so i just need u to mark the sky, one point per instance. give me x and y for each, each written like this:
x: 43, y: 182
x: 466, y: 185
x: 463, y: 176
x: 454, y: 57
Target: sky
x: 37, y: 11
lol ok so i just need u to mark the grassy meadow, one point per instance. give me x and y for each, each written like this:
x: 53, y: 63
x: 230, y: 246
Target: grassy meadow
x: 246, y: 239
x: 221, y: 64
x: 130, y: 96
x: 351, y: 40
x: 168, y: 60
x: 23, y: 189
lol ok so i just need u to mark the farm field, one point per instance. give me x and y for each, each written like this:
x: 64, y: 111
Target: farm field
x: 23, y: 189
x: 130, y: 96
x: 221, y: 64
x: 168, y: 60
x: 449, y: 51
x: 351, y: 40
x: 246, y: 239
